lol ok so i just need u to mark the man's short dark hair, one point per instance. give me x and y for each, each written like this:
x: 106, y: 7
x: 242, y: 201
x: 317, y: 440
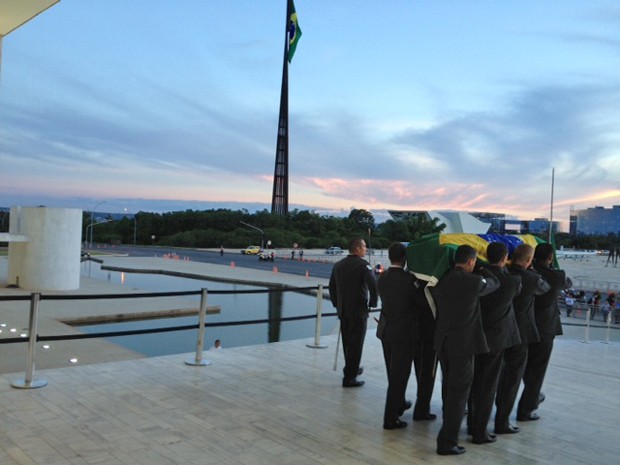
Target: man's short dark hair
x: 522, y: 252
x: 397, y: 252
x: 496, y: 251
x: 355, y: 243
x: 543, y: 251
x: 464, y: 253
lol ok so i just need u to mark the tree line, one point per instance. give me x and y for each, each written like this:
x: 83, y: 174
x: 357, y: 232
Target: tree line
x: 308, y: 229
x: 240, y: 228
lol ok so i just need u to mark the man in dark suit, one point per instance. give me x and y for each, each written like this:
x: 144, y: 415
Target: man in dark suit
x: 402, y: 298
x: 352, y: 290
x: 547, y: 315
x: 458, y: 337
x: 515, y: 357
x: 501, y: 331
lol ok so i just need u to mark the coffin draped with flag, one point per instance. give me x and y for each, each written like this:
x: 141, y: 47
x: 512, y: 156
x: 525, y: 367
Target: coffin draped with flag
x: 429, y: 257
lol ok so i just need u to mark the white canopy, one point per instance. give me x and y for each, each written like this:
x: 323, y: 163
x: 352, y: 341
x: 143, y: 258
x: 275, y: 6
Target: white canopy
x: 14, y: 13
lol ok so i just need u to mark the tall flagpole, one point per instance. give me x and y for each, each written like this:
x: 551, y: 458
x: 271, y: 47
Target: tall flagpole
x: 551, y: 213
x: 279, y: 198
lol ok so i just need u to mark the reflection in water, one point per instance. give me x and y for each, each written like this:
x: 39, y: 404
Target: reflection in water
x: 275, y: 313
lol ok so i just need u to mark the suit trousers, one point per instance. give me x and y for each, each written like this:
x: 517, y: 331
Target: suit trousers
x: 425, y: 362
x: 457, y: 373
x: 487, y: 368
x: 509, y: 381
x: 538, y: 357
x: 398, y: 358
x: 353, y: 333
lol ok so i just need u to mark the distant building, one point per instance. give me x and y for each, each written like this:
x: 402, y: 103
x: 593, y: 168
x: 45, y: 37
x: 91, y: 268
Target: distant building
x: 481, y: 222
x: 597, y: 220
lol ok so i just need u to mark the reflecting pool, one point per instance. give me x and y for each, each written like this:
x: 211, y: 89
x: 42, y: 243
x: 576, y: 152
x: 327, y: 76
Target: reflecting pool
x: 234, y: 307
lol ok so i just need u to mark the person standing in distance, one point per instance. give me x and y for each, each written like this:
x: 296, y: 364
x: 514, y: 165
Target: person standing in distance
x: 458, y: 337
x: 353, y: 290
x: 547, y: 315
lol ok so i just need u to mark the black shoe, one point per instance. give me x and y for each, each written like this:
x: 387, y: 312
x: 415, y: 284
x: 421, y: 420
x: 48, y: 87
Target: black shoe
x: 427, y: 417
x: 406, y: 406
x: 528, y: 417
x: 487, y: 439
x: 456, y: 450
x: 508, y: 429
x: 352, y: 383
x: 395, y: 424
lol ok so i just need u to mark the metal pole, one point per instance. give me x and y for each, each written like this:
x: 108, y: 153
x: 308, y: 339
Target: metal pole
x: 92, y: 221
x: 29, y: 382
x: 606, y: 341
x: 317, y: 332
x: 587, y: 339
x: 135, y: 229
x: 551, y: 212
x: 198, y: 360
x: 337, y: 346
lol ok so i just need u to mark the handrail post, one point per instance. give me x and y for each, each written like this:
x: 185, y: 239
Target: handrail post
x: 317, y: 329
x: 198, y: 360
x: 587, y: 331
x: 28, y: 382
x: 606, y: 341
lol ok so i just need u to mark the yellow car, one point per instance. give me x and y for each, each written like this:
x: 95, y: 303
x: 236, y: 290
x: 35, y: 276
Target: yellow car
x: 251, y: 250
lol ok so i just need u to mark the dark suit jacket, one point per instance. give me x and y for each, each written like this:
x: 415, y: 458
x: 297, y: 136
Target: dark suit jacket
x: 401, y: 303
x: 498, y: 317
x: 459, y: 324
x: 352, y: 287
x: 546, y: 309
x: 532, y: 284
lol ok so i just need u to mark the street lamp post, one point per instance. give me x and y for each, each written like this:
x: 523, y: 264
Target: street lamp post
x: 92, y: 222
x: 262, y: 233
x: 135, y: 227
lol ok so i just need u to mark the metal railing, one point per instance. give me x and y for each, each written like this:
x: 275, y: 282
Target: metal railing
x: 29, y: 381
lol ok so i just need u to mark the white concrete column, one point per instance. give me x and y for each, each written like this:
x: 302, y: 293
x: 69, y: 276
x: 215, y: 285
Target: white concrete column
x: 50, y: 258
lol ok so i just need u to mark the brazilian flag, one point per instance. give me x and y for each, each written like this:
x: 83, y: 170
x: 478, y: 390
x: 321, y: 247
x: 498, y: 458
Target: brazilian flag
x: 294, y: 32
x: 430, y: 256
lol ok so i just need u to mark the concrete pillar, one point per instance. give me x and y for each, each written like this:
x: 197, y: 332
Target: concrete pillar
x: 49, y: 260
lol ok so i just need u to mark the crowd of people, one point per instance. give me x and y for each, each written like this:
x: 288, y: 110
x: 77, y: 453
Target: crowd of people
x: 490, y: 327
x: 577, y: 303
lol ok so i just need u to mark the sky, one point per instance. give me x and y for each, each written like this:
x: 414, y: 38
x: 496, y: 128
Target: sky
x: 171, y: 105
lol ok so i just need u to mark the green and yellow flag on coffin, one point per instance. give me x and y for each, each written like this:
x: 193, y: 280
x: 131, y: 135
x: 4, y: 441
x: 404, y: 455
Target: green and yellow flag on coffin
x: 431, y: 256
x: 294, y: 32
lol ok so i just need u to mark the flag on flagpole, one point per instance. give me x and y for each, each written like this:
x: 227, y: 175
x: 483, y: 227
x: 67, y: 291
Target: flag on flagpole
x: 294, y: 32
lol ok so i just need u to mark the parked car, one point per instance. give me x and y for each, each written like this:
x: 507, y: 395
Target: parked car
x: 334, y: 251
x: 251, y: 250
x: 267, y: 256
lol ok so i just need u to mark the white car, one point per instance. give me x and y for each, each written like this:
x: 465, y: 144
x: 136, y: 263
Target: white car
x: 334, y: 251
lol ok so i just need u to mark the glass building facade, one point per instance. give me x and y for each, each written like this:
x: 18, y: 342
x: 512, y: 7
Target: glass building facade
x: 596, y: 221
